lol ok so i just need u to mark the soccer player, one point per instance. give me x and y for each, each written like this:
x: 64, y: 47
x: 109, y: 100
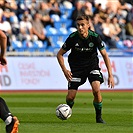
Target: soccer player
x: 84, y: 63
x: 5, y: 114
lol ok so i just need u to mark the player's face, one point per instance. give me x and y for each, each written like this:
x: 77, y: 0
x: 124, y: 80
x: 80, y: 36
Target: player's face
x: 82, y: 27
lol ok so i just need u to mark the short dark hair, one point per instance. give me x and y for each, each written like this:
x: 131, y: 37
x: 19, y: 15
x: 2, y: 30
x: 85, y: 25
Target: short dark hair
x: 82, y: 17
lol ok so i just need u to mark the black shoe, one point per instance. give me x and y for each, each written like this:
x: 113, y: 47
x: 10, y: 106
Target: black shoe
x: 13, y: 126
x: 100, y: 120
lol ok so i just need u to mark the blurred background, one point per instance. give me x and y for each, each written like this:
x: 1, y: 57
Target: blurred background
x: 38, y: 28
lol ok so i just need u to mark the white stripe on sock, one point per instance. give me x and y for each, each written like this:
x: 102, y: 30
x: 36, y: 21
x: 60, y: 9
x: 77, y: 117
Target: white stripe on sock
x: 8, y: 120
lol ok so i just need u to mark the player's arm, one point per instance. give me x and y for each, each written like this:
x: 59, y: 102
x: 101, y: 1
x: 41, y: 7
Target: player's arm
x: 109, y: 68
x: 60, y: 58
x: 3, y: 45
x: 3, y: 41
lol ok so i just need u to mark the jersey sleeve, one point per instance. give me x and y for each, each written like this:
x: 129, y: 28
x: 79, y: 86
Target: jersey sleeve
x: 100, y: 43
x: 67, y: 44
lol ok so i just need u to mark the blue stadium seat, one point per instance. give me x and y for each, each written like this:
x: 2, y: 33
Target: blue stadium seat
x: 51, y: 37
x: 62, y: 31
x: 32, y: 47
x: 50, y: 30
x: 63, y: 24
x: 120, y: 45
x: 40, y: 46
x: 18, y: 46
x: 55, y: 17
x: 67, y: 12
x: 13, y: 19
x: 58, y: 39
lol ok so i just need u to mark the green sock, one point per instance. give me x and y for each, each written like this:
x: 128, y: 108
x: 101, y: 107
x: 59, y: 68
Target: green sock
x: 70, y: 103
x: 97, y: 105
x: 98, y: 109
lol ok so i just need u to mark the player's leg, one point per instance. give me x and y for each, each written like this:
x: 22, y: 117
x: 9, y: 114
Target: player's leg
x: 96, y: 91
x: 10, y: 121
x: 96, y: 78
x: 78, y: 78
x: 4, y: 111
x: 97, y: 102
x: 70, y: 97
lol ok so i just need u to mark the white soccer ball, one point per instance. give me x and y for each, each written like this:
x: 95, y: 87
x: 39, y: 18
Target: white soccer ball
x: 63, y: 111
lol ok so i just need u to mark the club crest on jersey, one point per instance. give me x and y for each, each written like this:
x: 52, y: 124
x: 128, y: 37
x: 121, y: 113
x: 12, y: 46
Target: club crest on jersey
x: 91, y: 44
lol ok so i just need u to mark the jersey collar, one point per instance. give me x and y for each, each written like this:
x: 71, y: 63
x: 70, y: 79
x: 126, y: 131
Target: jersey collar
x: 86, y: 37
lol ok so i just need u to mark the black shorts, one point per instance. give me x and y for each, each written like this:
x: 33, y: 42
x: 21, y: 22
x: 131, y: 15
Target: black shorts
x: 80, y: 78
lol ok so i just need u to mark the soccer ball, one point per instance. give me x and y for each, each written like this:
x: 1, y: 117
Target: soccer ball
x: 63, y: 111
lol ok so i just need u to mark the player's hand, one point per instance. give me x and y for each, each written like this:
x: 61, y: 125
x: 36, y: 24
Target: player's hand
x: 111, y: 82
x: 3, y: 61
x: 68, y: 74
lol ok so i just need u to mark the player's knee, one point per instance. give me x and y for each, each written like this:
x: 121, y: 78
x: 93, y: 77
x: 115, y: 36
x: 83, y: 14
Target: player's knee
x: 96, y: 92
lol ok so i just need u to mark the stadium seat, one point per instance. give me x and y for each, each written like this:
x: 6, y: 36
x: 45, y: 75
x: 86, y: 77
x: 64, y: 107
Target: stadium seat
x: 120, y: 45
x: 55, y: 17
x: 32, y: 47
x: 71, y: 29
x: 18, y: 46
x: 13, y: 19
x: 63, y: 24
x: 40, y: 46
x: 58, y: 39
x: 62, y: 31
x: 67, y: 12
x: 50, y: 30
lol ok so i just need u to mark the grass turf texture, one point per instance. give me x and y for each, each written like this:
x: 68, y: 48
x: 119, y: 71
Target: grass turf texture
x: 36, y: 112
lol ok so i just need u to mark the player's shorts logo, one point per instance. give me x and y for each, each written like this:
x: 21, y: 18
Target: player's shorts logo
x: 95, y: 72
x: 76, y: 79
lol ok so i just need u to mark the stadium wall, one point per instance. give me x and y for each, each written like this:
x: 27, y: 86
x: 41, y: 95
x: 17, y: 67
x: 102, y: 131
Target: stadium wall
x: 44, y: 73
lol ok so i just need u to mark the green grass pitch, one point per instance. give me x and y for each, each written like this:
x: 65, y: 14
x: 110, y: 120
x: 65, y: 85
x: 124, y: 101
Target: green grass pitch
x: 36, y: 112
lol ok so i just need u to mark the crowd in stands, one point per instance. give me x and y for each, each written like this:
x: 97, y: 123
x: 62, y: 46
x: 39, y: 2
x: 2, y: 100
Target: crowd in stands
x: 43, y: 25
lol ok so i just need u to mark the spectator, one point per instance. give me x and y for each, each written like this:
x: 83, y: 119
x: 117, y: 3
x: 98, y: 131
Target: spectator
x: 122, y: 22
x: 26, y: 12
x: 100, y: 11
x: 116, y: 28
x: 78, y: 10
x: 108, y: 32
x: 87, y: 9
x: 98, y: 26
x: 102, y: 3
x: 109, y: 13
x: 45, y: 17
x: 6, y: 27
x: 15, y: 27
x: 129, y: 29
x: 129, y: 24
x: 67, y: 4
x: 54, y: 7
x: 114, y: 5
x: 9, y: 8
x: 38, y: 29
x: 25, y: 29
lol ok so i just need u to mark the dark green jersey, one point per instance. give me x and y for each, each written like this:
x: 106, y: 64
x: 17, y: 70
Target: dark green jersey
x: 83, y: 51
